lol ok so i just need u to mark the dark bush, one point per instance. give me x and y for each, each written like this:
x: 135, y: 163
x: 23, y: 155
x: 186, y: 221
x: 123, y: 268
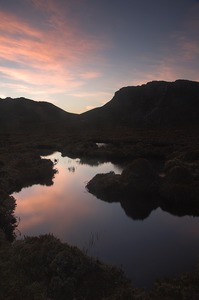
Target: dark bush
x: 140, y: 176
x: 179, y: 175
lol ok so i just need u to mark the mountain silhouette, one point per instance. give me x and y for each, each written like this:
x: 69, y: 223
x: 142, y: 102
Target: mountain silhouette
x: 155, y: 104
x: 25, y: 114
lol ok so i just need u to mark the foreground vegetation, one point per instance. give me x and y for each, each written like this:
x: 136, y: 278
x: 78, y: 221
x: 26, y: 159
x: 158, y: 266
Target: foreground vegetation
x: 43, y: 267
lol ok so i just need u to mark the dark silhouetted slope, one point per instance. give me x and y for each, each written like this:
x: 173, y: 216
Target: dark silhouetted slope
x: 25, y: 114
x: 157, y: 103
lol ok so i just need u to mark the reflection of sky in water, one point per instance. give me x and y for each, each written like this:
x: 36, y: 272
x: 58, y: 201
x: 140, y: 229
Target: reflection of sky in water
x: 161, y: 245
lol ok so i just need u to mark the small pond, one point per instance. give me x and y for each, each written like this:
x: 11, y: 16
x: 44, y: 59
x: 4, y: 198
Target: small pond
x: 159, y: 246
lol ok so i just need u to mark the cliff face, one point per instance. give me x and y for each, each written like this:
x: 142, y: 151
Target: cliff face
x: 157, y: 103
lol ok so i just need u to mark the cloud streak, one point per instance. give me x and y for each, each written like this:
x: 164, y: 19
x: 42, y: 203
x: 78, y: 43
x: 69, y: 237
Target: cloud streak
x: 65, y: 51
x: 46, y: 57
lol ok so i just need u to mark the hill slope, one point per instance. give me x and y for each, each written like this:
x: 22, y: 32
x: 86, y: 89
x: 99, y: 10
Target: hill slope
x: 157, y: 103
x: 25, y: 114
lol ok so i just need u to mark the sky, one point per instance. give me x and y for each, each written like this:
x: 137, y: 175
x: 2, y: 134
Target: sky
x: 77, y: 53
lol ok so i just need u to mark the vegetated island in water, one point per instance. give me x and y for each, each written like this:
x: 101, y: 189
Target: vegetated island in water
x: 143, y: 127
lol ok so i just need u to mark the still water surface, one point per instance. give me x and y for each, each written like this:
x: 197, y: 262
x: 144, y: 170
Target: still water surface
x: 159, y: 246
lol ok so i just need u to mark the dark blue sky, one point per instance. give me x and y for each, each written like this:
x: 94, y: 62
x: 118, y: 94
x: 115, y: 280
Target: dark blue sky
x: 77, y: 53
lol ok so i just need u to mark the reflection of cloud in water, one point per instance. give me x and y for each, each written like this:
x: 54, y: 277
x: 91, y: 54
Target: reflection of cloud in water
x: 162, y: 244
x: 61, y: 206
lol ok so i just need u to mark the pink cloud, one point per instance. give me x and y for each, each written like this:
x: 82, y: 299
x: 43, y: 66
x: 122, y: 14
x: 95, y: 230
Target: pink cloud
x: 190, y: 49
x: 92, y: 94
x: 10, y: 24
x: 90, y: 75
x: 50, y: 6
x: 48, y: 57
x: 186, y: 42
